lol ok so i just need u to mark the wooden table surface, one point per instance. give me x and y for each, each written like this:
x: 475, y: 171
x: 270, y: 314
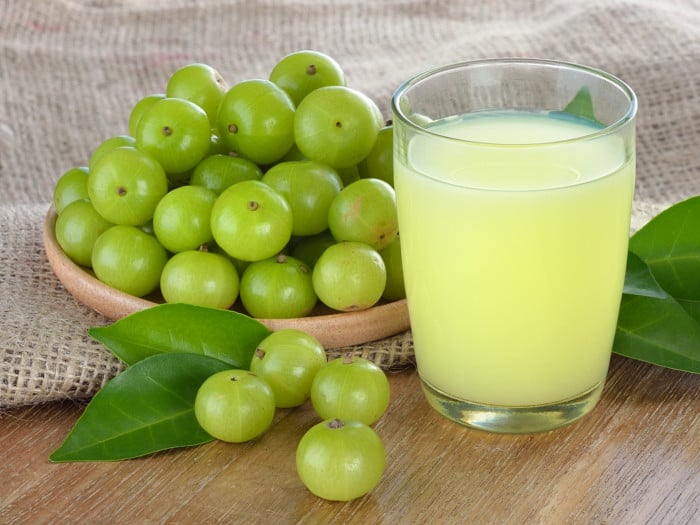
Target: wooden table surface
x: 634, y: 460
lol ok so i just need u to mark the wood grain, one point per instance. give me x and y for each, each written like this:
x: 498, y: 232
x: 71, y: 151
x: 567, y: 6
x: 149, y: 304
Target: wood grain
x: 634, y: 459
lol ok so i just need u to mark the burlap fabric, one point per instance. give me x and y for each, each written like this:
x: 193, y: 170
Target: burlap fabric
x: 70, y: 70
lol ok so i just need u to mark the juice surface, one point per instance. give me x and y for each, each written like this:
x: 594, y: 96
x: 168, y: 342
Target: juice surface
x: 514, y: 255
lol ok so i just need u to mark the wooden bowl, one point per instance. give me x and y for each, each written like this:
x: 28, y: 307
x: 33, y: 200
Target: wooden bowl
x: 332, y: 329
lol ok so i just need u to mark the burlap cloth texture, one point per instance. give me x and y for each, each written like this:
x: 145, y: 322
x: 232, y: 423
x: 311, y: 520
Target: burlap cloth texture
x: 70, y: 71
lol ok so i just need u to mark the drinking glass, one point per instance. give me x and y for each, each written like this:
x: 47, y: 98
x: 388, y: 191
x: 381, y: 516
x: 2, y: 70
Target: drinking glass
x: 514, y: 183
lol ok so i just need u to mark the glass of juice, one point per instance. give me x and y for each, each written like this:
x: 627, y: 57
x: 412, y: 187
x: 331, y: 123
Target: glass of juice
x: 514, y: 183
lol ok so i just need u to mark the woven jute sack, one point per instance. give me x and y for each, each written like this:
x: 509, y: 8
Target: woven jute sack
x: 70, y: 71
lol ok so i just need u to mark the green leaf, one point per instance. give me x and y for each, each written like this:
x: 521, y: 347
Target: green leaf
x: 145, y: 409
x: 224, y: 334
x: 640, y: 281
x: 658, y: 331
x: 692, y: 307
x: 659, y: 319
x: 670, y: 245
x: 582, y: 105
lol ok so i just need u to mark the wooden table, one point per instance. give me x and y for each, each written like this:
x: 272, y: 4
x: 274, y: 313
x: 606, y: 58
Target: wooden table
x: 634, y: 459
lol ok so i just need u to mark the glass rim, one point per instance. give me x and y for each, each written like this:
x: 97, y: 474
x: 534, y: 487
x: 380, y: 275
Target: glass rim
x: 611, y: 128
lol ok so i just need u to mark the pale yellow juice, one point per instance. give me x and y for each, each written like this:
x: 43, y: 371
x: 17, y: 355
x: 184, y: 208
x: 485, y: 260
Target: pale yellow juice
x: 514, y: 255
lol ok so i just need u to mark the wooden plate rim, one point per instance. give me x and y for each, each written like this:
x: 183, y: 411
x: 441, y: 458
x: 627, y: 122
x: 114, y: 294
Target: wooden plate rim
x: 334, y: 330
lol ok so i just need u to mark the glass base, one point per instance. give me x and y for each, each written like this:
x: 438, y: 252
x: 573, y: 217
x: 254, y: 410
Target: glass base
x: 513, y: 420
